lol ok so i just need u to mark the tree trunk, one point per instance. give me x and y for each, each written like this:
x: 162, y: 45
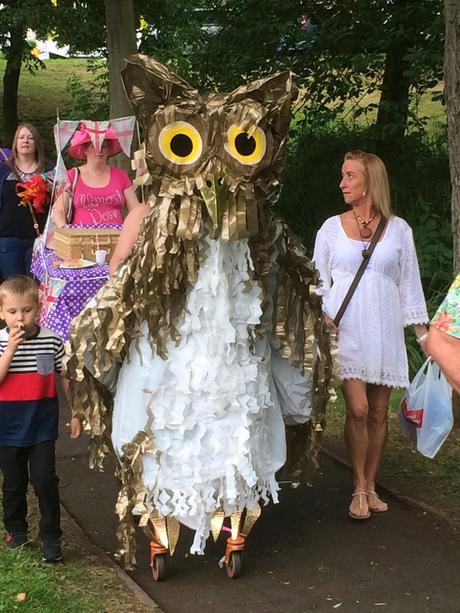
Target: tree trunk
x: 452, y: 93
x: 121, y: 42
x: 11, y: 83
x: 394, y: 100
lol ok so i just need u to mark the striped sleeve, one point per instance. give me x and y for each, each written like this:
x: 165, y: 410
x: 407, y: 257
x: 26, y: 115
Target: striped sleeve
x: 25, y: 358
x: 58, y: 356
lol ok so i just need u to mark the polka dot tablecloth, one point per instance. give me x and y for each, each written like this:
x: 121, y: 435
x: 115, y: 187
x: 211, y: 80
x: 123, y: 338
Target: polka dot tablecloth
x: 64, y: 292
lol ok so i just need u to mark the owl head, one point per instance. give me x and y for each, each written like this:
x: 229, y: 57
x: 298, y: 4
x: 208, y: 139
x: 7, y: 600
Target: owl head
x: 223, y: 153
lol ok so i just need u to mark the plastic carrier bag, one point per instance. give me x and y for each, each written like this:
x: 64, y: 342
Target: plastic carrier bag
x: 426, y: 409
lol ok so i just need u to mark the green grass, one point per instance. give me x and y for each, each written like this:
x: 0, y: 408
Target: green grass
x: 74, y: 586
x: 432, y: 111
x: 55, y: 588
x: 435, y: 482
x: 44, y: 93
x: 80, y: 584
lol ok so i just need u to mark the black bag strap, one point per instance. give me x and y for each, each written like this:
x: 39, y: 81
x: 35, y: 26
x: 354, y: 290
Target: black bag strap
x: 366, y: 257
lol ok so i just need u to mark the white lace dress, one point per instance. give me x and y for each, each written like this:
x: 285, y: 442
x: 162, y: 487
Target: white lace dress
x: 388, y: 297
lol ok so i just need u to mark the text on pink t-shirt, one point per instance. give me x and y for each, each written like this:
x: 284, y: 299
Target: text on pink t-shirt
x: 100, y: 205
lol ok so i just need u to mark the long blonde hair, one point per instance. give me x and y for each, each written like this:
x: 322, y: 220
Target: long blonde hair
x: 377, y: 181
x: 39, y: 148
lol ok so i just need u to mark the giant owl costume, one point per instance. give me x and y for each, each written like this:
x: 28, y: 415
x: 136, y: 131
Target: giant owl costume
x: 204, y: 361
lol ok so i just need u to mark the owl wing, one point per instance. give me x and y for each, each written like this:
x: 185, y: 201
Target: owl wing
x: 299, y: 336
x: 150, y: 287
x: 95, y: 351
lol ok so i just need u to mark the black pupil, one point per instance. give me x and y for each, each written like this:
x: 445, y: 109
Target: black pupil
x: 181, y: 145
x: 245, y: 145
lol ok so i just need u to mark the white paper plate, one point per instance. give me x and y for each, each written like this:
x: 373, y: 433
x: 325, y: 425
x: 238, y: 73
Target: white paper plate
x: 76, y: 263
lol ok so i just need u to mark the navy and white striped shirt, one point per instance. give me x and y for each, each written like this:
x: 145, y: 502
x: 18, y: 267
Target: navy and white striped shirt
x: 29, y: 406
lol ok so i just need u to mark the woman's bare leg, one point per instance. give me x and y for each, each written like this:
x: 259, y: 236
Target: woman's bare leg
x: 377, y: 431
x: 356, y: 436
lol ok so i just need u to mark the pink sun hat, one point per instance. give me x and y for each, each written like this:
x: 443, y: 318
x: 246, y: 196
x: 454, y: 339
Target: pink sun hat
x: 81, y: 138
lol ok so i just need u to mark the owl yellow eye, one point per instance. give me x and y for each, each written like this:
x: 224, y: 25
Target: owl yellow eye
x: 180, y: 143
x: 244, y: 147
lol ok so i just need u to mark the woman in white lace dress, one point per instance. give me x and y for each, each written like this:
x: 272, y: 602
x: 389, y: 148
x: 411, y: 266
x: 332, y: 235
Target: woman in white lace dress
x: 371, y: 351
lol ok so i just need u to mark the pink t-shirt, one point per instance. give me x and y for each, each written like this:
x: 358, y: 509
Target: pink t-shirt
x: 100, y: 205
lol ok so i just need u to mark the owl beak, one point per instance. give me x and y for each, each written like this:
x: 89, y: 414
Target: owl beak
x: 213, y: 192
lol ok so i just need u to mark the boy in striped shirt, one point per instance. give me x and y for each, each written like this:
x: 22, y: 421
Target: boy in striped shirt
x: 30, y: 360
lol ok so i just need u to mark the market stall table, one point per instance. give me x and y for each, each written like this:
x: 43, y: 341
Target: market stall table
x: 64, y: 291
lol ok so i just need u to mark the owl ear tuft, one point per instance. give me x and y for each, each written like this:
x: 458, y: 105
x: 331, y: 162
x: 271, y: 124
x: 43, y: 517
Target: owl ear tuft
x: 275, y: 95
x: 267, y: 89
x: 149, y: 84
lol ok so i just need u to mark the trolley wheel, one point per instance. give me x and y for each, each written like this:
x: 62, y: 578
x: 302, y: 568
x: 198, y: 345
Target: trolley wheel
x: 158, y: 565
x: 235, y: 565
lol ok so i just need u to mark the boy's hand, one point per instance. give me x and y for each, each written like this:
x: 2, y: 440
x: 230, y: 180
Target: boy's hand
x: 15, y: 337
x: 75, y: 427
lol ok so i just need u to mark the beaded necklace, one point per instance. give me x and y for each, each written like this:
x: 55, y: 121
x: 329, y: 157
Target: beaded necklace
x: 364, y: 232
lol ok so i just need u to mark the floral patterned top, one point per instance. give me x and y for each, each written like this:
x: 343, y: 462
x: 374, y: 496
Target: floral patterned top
x: 447, y: 317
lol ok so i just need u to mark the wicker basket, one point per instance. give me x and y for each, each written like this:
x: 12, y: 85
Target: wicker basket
x: 83, y: 242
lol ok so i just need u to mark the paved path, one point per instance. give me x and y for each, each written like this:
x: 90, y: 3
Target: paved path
x: 303, y: 555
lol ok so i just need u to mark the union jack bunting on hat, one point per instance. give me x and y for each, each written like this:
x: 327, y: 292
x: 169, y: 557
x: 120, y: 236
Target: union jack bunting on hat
x: 96, y: 131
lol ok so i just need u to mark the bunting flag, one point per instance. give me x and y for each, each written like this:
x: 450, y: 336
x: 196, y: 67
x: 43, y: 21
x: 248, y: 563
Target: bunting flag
x: 139, y: 164
x: 124, y: 128
x: 50, y: 291
x: 96, y: 131
x: 60, y: 171
x: 63, y: 131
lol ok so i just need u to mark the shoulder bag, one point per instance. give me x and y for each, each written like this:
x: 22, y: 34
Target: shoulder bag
x: 71, y: 194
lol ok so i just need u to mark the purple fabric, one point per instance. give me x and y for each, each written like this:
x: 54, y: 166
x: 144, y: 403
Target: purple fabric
x: 65, y: 291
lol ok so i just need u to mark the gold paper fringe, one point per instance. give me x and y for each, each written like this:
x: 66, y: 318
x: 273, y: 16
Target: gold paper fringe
x: 304, y: 338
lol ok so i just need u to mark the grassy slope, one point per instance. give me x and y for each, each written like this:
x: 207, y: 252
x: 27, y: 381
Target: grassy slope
x: 43, y: 93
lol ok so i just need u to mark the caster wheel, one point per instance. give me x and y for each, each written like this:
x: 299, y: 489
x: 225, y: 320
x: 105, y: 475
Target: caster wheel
x: 159, y: 567
x: 235, y: 565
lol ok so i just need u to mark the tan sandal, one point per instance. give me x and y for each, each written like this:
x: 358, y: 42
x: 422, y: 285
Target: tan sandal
x: 353, y: 515
x: 379, y: 506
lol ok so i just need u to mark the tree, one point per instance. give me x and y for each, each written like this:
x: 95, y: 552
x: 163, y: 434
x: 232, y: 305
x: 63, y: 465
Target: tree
x: 391, y: 48
x: 452, y: 93
x: 15, y: 17
x: 351, y: 47
x: 11, y: 80
x: 76, y: 22
x: 412, y: 40
x: 121, y: 42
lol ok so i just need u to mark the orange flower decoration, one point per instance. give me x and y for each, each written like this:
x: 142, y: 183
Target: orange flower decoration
x: 34, y: 192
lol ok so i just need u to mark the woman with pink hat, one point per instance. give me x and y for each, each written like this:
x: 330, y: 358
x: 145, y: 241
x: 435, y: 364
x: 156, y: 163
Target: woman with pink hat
x: 96, y: 193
